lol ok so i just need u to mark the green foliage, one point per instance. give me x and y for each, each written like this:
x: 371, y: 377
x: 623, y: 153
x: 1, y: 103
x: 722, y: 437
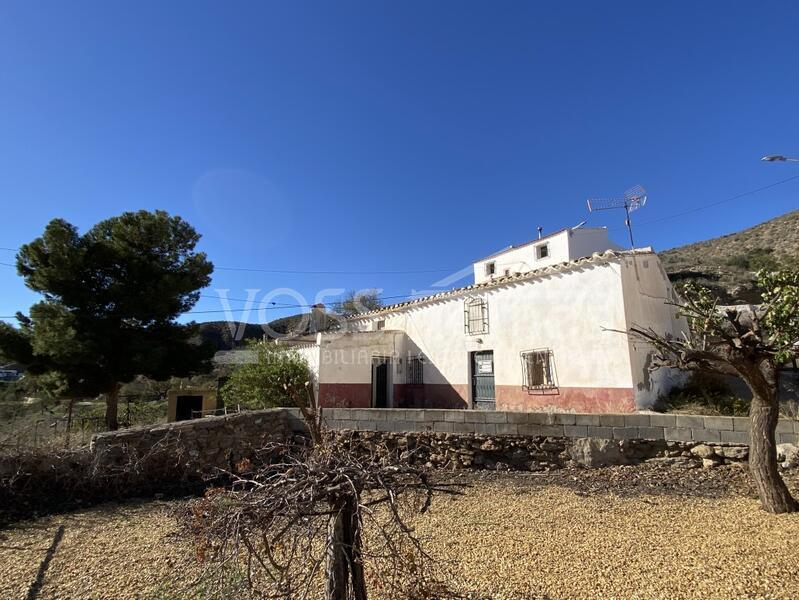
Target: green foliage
x: 728, y: 263
x: 354, y: 302
x: 111, y: 297
x: 755, y: 260
x: 263, y: 383
x: 781, y: 318
x: 700, y: 311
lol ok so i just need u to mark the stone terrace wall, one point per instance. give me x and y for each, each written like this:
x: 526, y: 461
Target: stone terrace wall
x: 646, y: 426
x: 196, y: 444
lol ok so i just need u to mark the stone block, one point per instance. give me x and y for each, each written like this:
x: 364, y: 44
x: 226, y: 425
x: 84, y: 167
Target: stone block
x: 463, y: 427
x: 519, y: 418
x: 625, y: 433
x: 701, y: 434
x: 539, y: 418
x: 432, y: 415
x: 496, y: 417
x: 678, y: 434
x: 454, y: 416
x: 611, y: 421
x: 575, y: 431
x: 564, y: 419
x: 735, y: 437
x: 787, y: 438
x: 605, y: 433
x: 784, y: 426
x: 485, y: 428
x: 690, y: 421
x: 741, y: 423
x: 444, y: 426
x: 719, y: 423
x: 507, y: 429
x: 552, y: 430
x: 651, y: 433
x: 530, y: 430
x: 592, y: 420
x: 415, y: 414
x: 636, y: 420
x: 474, y: 416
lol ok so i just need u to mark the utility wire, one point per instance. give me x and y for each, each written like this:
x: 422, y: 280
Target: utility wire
x: 285, y: 305
x: 712, y: 204
x: 300, y: 272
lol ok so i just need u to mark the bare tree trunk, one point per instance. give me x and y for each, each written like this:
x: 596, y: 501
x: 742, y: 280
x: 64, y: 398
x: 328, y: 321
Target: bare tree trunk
x: 112, y: 408
x: 345, y: 574
x: 764, y: 413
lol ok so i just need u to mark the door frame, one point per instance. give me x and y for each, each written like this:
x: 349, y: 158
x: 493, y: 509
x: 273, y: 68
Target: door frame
x: 378, y: 360
x: 472, y: 375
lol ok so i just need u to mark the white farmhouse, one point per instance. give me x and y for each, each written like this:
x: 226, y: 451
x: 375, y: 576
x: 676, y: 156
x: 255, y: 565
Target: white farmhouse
x: 539, y: 329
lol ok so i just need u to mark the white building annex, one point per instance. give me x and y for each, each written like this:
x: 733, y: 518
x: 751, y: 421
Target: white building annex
x: 539, y: 329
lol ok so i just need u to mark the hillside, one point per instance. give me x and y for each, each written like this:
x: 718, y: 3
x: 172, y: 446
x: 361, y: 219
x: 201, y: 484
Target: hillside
x: 727, y: 264
x: 219, y: 334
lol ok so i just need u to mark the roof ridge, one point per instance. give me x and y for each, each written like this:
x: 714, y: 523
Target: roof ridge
x: 505, y: 279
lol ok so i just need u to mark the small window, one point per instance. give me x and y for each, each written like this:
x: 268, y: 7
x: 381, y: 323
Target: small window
x: 542, y: 251
x: 381, y: 324
x: 475, y: 315
x: 415, y: 370
x: 490, y: 269
x: 538, y: 370
x: 507, y: 272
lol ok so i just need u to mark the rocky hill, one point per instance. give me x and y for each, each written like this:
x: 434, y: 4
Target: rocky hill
x: 728, y: 264
x: 220, y: 335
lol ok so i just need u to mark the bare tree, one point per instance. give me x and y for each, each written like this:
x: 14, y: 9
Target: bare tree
x: 356, y: 302
x: 295, y: 523
x: 750, y: 343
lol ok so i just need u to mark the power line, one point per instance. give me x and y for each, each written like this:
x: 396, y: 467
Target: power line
x: 302, y: 272
x: 285, y: 305
x: 299, y: 271
x: 712, y: 204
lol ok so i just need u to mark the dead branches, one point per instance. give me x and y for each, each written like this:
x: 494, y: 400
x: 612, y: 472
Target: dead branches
x: 318, y: 517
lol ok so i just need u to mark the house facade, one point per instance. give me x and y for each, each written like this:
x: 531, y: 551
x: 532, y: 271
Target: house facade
x: 537, y: 338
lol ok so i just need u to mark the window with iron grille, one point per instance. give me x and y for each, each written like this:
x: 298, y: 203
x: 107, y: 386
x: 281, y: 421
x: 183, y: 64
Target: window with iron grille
x: 490, y: 268
x: 475, y: 316
x: 415, y: 370
x: 538, y: 370
x: 381, y: 324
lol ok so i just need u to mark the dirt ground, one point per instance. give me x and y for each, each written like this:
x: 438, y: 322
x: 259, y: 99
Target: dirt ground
x: 623, y: 532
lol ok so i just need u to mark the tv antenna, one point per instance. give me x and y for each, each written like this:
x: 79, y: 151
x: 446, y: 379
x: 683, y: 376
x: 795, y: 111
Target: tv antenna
x: 633, y: 199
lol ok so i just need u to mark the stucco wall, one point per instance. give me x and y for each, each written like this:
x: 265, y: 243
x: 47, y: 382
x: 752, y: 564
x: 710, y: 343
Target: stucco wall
x: 566, y: 312
x: 587, y: 240
x: 647, y: 290
x: 523, y: 258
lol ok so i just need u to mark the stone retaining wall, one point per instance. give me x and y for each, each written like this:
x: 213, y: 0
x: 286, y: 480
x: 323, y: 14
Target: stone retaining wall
x: 197, y: 444
x: 647, y: 426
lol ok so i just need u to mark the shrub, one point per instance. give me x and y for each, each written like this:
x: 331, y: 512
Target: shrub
x: 263, y: 384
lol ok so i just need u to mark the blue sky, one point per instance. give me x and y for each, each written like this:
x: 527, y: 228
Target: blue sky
x: 376, y: 136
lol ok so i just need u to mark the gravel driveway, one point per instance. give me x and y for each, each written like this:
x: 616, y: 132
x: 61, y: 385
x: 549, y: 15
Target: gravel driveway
x: 622, y: 532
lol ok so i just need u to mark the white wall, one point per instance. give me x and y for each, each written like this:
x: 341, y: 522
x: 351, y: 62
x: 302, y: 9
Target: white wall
x: 564, y: 246
x: 646, y: 290
x: 584, y: 241
x: 565, y: 312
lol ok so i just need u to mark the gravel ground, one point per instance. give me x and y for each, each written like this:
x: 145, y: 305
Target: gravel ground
x: 623, y: 532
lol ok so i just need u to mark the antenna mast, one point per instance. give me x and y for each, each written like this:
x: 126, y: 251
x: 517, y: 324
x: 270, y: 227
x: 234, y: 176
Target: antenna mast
x: 633, y: 199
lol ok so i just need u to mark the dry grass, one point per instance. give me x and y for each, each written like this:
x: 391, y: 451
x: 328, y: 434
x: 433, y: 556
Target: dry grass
x: 509, y: 537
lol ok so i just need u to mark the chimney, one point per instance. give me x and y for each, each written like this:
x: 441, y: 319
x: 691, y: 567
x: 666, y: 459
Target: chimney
x: 540, y: 231
x: 318, y: 318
